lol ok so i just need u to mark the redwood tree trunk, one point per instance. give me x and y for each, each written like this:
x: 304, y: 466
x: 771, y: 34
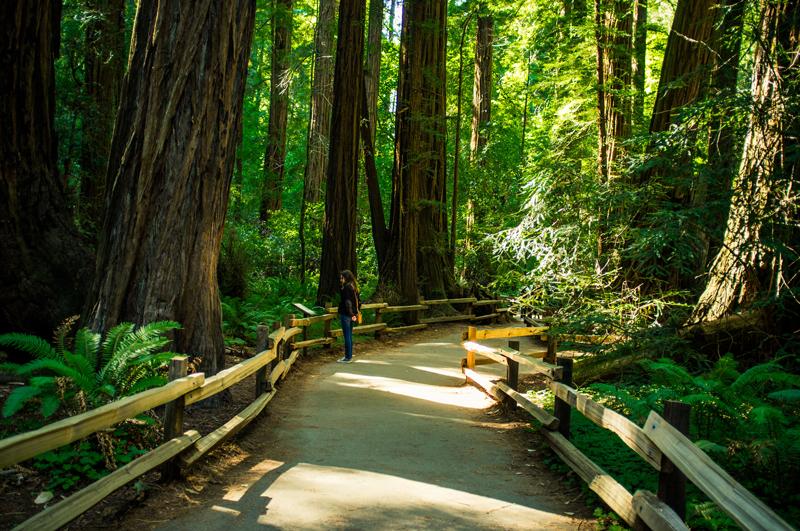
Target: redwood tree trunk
x: 44, y: 264
x: 105, y: 66
x: 319, y: 124
x: 418, y: 224
x: 639, y: 66
x: 482, y: 86
x: 687, y: 61
x: 171, y: 165
x: 759, y: 254
x: 615, y: 19
x: 372, y: 71
x: 275, y: 154
x: 339, y: 230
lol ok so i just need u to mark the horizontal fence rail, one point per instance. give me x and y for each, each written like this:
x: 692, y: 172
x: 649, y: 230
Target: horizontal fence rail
x: 276, y: 354
x: 658, y: 443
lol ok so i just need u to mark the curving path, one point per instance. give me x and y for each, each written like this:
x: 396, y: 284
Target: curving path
x: 395, y: 440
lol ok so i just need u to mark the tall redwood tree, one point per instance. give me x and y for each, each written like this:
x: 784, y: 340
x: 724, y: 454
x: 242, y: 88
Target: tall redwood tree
x: 170, y: 171
x: 339, y: 230
x: 44, y: 263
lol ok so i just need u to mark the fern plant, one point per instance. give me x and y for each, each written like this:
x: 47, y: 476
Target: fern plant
x: 88, y: 370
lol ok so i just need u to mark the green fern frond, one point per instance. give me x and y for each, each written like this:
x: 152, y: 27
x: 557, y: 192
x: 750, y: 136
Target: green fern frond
x: 17, y: 398
x: 770, y: 373
x: 87, y: 344
x: 149, y: 382
x: 787, y: 395
x: 667, y: 372
x: 60, y: 334
x: 767, y: 417
x: 9, y: 368
x: 49, y: 405
x: 113, y: 339
x: 34, y: 345
x: 44, y: 382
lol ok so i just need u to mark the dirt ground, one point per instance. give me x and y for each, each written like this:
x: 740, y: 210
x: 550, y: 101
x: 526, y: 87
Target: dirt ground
x: 151, y: 504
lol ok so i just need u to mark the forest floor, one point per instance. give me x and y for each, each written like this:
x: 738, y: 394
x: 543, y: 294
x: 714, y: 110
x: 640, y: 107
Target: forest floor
x: 395, y: 440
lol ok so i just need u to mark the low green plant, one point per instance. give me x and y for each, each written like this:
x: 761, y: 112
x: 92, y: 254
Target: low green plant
x: 87, y: 370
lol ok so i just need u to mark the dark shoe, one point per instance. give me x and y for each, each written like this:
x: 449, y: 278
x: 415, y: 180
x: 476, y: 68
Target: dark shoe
x: 344, y: 360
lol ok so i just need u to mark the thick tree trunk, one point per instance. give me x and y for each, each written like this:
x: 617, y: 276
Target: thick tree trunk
x: 482, y: 87
x: 171, y: 166
x: 417, y: 257
x: 275, y: 154
x: 723, y: 156
x: 105, y: 66
x: 759, y: 254
x: 339, y: 231
x: 372, y: 72
x: 319, y: 124
x: 615, y: 19
x: 44, y: 264
x: 687, y: 61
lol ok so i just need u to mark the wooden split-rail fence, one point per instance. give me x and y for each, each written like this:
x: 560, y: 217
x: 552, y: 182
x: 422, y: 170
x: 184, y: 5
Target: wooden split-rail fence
x: 661, y: 442
x: 277, y: 351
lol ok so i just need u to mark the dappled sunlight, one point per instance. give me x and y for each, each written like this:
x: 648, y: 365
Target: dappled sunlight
x: 455, y: 420
x: 463, y: 396
x: 454, y: 372
x: 445, y: 344
x: 344, y: 496
x: 225, y: 510
x: 235, y: 492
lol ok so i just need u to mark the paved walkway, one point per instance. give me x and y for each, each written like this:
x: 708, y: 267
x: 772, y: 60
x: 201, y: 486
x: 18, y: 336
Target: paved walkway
x: 394, y: 440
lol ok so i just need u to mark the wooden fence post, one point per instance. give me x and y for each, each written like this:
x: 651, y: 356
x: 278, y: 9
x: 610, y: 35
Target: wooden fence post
x: 173, y: 414
x: 326, y: 332
x: 290, y: 342
x: 472, y: 333
x: 562, y: 410
x: 378, y: 320
x: 671, y: 481
x: 552, y: 348
x: 263, y: 383
x: 512, y: 376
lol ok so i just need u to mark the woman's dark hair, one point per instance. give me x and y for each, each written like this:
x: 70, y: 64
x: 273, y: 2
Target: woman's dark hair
x: 350, y: 278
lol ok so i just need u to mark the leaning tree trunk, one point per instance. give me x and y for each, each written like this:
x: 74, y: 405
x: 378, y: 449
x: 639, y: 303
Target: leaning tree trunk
x: 417, y: 257
x: 339, y: 230
x: 171, y: 166
x: 44, y: 264
x: 759, y: 254
x: 105, y: 66
x: 275, y: 153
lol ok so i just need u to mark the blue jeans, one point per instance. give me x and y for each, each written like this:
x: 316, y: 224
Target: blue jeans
x: 347, y: 333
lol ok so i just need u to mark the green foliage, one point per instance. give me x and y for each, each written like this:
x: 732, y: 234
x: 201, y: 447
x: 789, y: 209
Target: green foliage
x: 91, y: 372
x: 741, y: 419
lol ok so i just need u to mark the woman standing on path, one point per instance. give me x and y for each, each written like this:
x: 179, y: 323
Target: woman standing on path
x: 348, y: 310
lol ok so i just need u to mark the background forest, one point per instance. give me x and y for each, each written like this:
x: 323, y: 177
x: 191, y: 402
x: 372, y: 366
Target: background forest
x: 622, y: 168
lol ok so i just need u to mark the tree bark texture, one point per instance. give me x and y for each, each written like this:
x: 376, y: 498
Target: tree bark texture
x: 482, y: 87
x: 105, y: 67
x: 687, y: 61
x: 615, y: 44
x: 418, y: 214
x: 372, y: 72
x: 275, y: 154
x: 339, y: 229
x: 319, y: 125
x: 457, y: 140
x: 44, y: 263
x: 170, y: 171
x: 759, y: 254
x: 723, y: 159
x: 380, y: 234
x: 639, y: 65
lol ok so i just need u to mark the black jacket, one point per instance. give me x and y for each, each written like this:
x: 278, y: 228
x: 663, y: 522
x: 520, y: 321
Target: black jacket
x: 348, y: 301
